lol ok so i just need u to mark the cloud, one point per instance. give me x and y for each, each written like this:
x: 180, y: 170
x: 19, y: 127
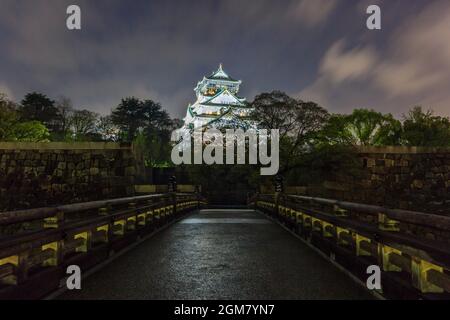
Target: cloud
x: 419, y: 55
x: 313, y: 13
x: 160, y: 49
x: 338, y: 68
x: 339, y: 65
x: 4, y: 89
x: 157, y: 48
x: 412, y: 68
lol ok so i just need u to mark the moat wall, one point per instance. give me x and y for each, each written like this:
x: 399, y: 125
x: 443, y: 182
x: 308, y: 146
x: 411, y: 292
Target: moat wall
x: 412, y: 178
x: 42, y: 174
x: 45, y: 174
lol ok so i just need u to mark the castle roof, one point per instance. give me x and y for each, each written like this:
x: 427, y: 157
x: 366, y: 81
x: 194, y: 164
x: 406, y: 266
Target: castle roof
x: 224, y: 97
x: 220, y: 74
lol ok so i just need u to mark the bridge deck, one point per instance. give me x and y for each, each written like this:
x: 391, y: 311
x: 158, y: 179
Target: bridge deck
x: 220, y: 254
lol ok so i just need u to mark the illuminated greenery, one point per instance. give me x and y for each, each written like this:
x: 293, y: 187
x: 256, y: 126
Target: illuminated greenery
x: 306, y: 129
x: 12, y: 128
x: 362, y: 128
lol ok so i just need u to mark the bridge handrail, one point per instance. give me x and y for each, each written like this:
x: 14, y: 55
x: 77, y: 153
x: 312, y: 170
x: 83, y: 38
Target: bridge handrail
x: 10, y: 217
x: 85, y: 240
x: 390, y: 240
x: 414, y: 217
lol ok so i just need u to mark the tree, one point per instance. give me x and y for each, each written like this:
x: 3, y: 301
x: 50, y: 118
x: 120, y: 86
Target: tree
x: 8, y: 117
x: 362, y: 128
x: 64, y: 111
x: 38, y: 107
x: 128, y: 116
x: 157, y: 130
x: 31, y: 131
x: 298, y: 123
x: 158, y: 143
x: 424, y: 129
x: 335, y: 131
x: 107, y: 130
x: 156, y: 135
x: 83, y: 124
x: 146, y: 124
x: 13, y: 129
x: 154, y: 116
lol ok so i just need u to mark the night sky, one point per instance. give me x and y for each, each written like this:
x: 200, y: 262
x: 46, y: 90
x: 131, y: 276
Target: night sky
x: 316, y: 50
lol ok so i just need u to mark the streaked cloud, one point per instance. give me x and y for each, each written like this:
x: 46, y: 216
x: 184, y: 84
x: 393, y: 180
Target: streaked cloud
x: 340, y: 65
x: 418, y: 60
x: 313, y: 13
x: 411, y: 67
x: 319, y: 49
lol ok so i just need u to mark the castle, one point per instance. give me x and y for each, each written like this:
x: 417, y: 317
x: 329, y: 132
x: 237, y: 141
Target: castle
x: 218, y: 104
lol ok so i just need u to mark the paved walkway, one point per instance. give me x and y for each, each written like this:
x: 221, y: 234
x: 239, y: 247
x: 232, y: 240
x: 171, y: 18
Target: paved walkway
x: 220, y: 254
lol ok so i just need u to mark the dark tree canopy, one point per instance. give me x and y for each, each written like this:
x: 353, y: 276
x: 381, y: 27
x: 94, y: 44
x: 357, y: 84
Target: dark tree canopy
x: 133, y: 115
x: 297, y: 121
x: 83, y: 124
x: 38, y: 107
x: 65, y: 112
x: 128, y: 117
x: 425, y: 129
x: 147, y: 124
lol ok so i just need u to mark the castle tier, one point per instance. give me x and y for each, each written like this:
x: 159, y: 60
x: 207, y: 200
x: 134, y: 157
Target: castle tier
x: 218, y: 104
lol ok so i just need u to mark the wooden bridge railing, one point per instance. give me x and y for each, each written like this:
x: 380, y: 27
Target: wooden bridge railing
x: 37, y: 245
x: 411, y: 248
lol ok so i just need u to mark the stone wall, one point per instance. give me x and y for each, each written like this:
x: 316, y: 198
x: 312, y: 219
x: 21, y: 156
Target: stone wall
x: 42, y: 174
x: 412, y: 178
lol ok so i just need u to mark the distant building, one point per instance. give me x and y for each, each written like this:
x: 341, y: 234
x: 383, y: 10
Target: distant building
x: 218, y: 104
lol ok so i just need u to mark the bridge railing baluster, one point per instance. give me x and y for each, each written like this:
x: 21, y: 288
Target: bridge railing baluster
x: 85, y: 233
x: 369, y: 234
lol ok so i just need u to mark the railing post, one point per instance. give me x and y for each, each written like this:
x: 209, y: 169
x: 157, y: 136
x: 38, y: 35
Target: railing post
x: 198, y: 195
x: 174, y: 204
x: 338, y: 211
x: 56, y: 250
x: 255, y: 205
x: 277, y: 203
x: 54, y: 222
x: 387, y: 224
x: 22, y: 268
x: 420, y: 275
x: 131, y: 222
x: 104, y: 211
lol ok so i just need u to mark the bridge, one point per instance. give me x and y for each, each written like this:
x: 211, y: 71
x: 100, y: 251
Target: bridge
x: 174, y: 246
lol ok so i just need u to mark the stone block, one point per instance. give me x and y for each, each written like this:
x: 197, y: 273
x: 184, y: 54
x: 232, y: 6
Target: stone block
x: 86, y: 156
x: 21, y: 156
x: 129, y: 171
x: 389, y: 162
x: 417, y: 184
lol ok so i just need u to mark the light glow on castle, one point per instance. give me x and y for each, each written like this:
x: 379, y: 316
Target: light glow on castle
x: 218, y: 104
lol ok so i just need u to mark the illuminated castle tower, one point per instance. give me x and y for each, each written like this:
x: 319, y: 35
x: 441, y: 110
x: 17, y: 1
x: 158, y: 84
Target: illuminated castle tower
x: 218, y: 105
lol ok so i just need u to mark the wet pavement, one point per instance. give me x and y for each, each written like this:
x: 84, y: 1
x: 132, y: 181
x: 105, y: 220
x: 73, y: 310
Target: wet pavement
x: 220, y: 254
